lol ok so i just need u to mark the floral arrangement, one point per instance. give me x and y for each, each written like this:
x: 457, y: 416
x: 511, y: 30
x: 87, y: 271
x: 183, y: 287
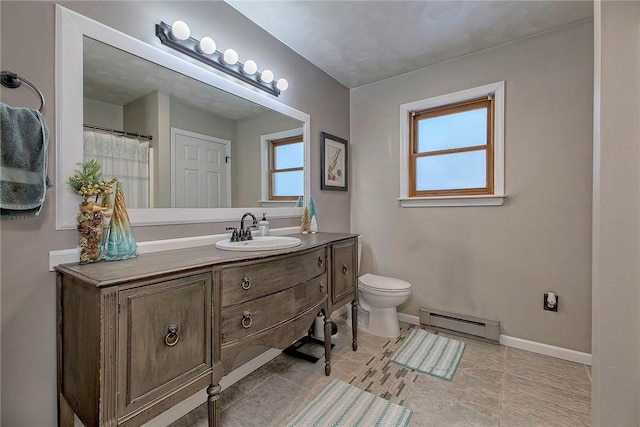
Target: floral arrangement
x: 87, y: 182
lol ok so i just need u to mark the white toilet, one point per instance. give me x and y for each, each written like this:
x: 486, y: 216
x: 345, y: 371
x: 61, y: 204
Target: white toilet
x: 379, y: 296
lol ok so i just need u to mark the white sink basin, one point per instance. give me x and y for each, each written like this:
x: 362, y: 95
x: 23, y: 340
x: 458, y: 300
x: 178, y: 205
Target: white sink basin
x: 267, y: 243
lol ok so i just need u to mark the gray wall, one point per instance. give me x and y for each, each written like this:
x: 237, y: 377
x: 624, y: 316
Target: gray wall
x: 616, y: 214
x: 491, y: 262
x: 147, y: 116
x: 103, y: 114
x: 28, y: 344
x: 194, y: 120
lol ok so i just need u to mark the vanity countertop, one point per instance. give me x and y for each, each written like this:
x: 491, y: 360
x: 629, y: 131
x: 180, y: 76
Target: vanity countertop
x: 110, y: 273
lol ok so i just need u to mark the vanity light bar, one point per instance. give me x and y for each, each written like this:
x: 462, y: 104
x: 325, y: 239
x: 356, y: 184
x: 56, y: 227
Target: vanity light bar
x: 227, y: 61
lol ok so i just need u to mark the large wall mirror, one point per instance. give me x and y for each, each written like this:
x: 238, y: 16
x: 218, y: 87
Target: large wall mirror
x: 211, y: 143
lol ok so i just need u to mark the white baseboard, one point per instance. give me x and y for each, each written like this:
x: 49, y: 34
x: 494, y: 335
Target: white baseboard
x: 546, y: 349
x: 64, y: 256
x: 519, y: 343
x: 339, y: 312
x: 197, y: 399
x: 408, y: 318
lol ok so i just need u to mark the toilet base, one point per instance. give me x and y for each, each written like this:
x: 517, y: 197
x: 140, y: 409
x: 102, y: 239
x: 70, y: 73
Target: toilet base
x: 383, y: 323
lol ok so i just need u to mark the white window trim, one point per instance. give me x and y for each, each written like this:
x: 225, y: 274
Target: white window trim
x: 495, y: 199
x: 264, y: 159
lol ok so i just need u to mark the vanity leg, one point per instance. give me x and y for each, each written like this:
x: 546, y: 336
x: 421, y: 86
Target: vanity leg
x: 354, y: 324
x: 214, y: 409
x: 327, y: 345
x: 65, y: 413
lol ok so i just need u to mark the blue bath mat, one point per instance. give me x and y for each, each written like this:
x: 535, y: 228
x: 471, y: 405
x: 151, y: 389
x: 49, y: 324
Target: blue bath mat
x: 344, y: 405
x: 430, y: 354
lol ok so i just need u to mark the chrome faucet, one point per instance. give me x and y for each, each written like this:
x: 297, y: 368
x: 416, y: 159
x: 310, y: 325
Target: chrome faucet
x: 255, y: 221
x: 239, y: 235
x: 244, y: 233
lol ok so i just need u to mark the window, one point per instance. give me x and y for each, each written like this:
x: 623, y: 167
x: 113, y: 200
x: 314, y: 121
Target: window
x: 286, y: 168
x: 452, y: 149
x: 282, y: 160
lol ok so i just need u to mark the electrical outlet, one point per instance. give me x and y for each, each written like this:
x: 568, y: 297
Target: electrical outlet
x: 547, y: 306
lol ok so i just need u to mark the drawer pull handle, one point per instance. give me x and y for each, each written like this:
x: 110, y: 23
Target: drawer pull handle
x: 345, y: 269
x: 246, y: 319
x: 246, y: 283
x: 321, y: 286
x: 320, y: 261
x: 172, y: 337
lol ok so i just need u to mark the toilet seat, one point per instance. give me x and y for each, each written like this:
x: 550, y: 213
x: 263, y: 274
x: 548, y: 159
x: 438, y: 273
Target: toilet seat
x: 382, y: 284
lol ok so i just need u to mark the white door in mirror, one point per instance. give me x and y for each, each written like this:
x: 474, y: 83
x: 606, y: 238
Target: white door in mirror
x: 268, y: 243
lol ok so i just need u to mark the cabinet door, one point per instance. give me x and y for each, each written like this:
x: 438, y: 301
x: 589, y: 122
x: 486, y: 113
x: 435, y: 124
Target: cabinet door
x: 165, y: 338
x: 344, y: 271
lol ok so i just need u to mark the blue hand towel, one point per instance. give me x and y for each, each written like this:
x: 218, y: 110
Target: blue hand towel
x: 24, y: 138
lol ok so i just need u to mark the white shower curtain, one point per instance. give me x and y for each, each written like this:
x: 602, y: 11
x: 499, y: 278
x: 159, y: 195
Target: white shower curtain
x: 125, y: 158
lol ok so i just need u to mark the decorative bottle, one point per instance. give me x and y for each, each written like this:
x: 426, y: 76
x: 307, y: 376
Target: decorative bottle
x: 263, y: 226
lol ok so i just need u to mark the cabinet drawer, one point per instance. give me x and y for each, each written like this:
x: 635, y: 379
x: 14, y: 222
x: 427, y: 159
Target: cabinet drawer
x: 344, y: 272
x: 251, y: 281
x: 259, y: 314
x: 165, y: 338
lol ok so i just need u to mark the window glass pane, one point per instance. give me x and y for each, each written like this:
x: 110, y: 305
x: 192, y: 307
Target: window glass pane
x: 288, y: 156
x: 288, y: 183
x: 464, y: 129
x: 452, y: 171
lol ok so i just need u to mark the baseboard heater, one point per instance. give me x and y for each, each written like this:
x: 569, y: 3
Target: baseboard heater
x: 487, y: 329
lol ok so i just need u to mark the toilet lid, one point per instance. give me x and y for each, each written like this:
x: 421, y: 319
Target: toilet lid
x: 383, y: 283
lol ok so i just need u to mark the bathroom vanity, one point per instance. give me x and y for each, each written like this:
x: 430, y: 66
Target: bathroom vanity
x: 136, y: 337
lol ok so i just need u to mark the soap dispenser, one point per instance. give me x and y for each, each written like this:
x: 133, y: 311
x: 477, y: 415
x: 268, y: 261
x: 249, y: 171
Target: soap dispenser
x: 263, y: 226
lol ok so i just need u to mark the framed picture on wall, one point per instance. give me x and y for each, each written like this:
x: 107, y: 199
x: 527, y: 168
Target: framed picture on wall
x: 334, y: 163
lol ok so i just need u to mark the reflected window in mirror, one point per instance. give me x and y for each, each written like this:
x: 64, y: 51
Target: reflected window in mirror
x: 286, y: 172
x: 283, y: 167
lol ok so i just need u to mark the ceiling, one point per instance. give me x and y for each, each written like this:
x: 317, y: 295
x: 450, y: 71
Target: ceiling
x: 359, y: 42
x: 117, y: 77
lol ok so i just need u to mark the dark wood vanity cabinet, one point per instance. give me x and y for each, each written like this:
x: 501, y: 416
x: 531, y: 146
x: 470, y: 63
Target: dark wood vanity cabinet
x: 344, y: 280
x: 344, y: 271
x: 136, y: 337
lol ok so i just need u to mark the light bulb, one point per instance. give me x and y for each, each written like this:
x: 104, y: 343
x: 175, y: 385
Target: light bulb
x: 207, y: 45
x: 250, y: 67
x: 266, y: 76
x: 230, y: 57
x: 180, y: 30
x: 282, y: 84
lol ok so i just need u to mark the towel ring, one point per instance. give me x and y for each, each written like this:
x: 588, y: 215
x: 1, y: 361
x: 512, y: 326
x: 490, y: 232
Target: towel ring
x: 12, y: 81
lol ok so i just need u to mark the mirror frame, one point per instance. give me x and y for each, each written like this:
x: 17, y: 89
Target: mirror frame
x: 71, y: 27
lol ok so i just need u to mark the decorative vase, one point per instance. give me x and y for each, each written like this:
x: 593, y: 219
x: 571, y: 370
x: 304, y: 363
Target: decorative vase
x: 119, y: 242
x: 89, y: 233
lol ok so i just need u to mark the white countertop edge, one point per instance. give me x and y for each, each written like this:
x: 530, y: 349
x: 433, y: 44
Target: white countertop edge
x: 64, y: 256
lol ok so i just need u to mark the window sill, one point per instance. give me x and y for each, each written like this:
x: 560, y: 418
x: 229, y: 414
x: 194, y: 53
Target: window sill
x: 428, y: 202
x: 277, y: 203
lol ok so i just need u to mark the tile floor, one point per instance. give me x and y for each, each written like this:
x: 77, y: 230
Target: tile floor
x: 493, y: 386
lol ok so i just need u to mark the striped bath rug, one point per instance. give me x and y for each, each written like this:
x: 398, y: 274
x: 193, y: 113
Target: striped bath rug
x: 430, y: 354
x: 341, y: 404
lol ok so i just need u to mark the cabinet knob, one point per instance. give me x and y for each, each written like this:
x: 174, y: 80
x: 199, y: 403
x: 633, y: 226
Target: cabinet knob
x: 246, y: 283
x: 246, y: 319
x: 172, y: 337
x: 345, y: 269
x: 321, y: 286
x: 320, y: 261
